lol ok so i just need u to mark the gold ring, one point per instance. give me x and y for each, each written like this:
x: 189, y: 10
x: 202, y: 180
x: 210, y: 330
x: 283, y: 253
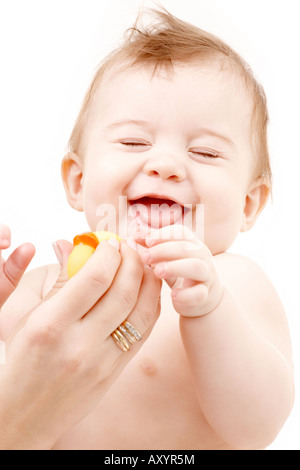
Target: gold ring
x: 125, y: 335
x: 132, y: 331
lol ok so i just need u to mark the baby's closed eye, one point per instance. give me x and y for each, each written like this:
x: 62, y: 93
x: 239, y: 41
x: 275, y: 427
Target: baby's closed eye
x: 134, y: 142
x: 203, y: 152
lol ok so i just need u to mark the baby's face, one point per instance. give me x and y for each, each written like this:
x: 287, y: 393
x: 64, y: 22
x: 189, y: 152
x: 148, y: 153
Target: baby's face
x: 184, y: 137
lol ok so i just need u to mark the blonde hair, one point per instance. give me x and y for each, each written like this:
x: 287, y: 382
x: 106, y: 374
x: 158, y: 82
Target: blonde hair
x: 172, y: 41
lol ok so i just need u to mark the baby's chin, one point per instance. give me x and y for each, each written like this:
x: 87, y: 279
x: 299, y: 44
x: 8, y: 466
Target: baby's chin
x: 217, y: 247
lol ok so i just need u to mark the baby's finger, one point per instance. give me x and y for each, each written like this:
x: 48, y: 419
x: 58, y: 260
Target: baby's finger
x: 193, y: 268
x: 172, y: 250
x: 13, y: 270
x: 170, y: 232
x: 189, y: 301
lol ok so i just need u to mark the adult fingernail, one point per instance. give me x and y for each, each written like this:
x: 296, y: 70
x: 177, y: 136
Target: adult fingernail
x: 57, y: 252
x: 114, y: 242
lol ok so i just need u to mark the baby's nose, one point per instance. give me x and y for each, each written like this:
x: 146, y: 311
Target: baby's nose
x: 166, y: 167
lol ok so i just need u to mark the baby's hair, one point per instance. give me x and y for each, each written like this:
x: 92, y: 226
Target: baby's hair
x: 170, y: 41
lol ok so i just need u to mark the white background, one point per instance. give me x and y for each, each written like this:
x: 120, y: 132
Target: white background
x: 49, y: 52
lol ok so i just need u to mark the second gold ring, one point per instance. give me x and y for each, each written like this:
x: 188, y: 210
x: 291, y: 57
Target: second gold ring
x: 125, y: 335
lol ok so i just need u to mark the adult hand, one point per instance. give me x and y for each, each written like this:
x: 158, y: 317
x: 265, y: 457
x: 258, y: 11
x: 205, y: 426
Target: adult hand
x: 63, y: 359
x: 12, y: 270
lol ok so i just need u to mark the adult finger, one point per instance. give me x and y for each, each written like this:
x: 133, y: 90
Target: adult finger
x: 107, y: 353
x: 136, y: 327
x: 5, y: 237
x: 146, y: 310
x: 122, y: 296
x: 75, y: 299
x: 13, y: 269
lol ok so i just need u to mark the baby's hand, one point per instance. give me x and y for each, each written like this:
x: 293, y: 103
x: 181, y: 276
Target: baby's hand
x: 187, y: 265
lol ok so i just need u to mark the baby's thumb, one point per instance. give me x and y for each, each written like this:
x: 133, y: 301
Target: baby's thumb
x: 62, y: 249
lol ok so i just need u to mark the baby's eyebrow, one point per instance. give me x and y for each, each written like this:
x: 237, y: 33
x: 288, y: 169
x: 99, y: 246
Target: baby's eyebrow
x: 125, y: 122
x: 203, y: 131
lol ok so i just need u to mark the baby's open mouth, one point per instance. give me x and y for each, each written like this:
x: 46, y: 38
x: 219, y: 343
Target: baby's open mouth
x: 156, y: 212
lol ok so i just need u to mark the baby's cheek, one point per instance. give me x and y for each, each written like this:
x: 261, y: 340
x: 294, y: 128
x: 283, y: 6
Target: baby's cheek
x: 92, y: 207
x: 222, y: 223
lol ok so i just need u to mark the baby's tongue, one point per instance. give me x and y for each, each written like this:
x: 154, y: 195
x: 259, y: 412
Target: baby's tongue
x: 157, y: 213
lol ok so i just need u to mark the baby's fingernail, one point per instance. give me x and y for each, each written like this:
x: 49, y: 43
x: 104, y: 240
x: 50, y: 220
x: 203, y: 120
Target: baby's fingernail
x: 149, y: 241
x: 113, y: 242
x: 57, y: 252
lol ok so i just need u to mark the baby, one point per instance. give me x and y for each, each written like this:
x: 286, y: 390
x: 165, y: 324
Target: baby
x: 174, y: 121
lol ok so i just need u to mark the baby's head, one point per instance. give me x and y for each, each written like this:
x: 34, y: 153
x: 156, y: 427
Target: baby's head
x: 173, y: 116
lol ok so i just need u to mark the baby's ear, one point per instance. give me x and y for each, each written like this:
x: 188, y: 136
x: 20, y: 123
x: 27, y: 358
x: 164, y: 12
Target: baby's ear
x: 71, y: 170
x: 255, y: 202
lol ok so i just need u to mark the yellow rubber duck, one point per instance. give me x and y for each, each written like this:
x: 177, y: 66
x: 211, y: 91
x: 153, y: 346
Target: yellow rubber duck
x: 84, y: 246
